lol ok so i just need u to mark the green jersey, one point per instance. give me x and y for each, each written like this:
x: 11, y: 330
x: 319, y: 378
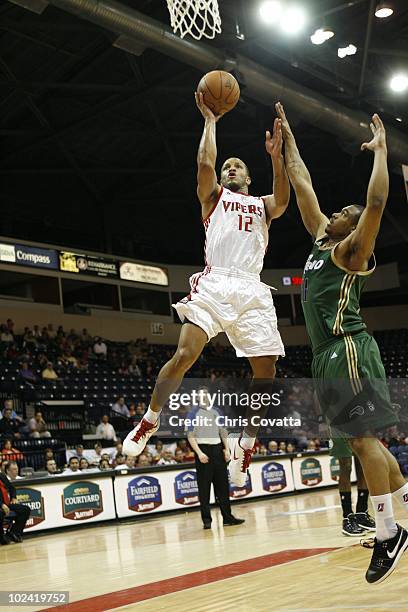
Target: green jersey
x: 330, y: 297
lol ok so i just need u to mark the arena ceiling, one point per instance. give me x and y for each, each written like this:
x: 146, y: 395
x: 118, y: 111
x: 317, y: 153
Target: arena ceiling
x: 98, y: 145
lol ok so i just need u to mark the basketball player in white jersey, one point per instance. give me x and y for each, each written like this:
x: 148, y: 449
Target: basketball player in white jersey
x: 228, y: 295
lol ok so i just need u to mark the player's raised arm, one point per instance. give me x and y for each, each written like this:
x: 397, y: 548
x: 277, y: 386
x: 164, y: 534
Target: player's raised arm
x: 277, y: 203
x: 207, y: 186
x: 313, y: 218
x: 358, y: 247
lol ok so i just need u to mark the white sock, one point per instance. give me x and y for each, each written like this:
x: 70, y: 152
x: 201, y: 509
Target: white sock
x: 151, y: 416
x: 386, y: 527
x: 247, y: 443
x: 402, y: 495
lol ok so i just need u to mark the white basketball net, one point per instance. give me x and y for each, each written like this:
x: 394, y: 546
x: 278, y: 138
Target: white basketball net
x: 195, y: 17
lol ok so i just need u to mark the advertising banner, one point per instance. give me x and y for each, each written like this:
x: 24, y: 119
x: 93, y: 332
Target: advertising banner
x: 81, y: 500
x: 273, y: 477
x: 35, y: 501
x: 87, y: 264
x: 35, y: 257
x: 7, y: 253
x: 62, y: 503
x: 186, y: 488
x: 140, y: 273
x: 144, y: 494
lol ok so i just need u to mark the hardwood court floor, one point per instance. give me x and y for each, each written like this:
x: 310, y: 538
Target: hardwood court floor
x: 289, y: 556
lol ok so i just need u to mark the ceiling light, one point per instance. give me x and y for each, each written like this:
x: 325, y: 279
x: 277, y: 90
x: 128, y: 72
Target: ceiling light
x: 293, y: 20
x: 271, y: 11
x: 321, y: 35
x: 398, y: 119
x: 349, y: 50
x: 383, y: 10
x: 399, y: 82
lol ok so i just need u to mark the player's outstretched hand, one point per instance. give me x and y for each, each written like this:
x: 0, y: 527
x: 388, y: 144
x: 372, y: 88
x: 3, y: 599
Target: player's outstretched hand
x: 273, y: 144
x: 280, y: 111
x: 378, y: 141
x: 204, y: 110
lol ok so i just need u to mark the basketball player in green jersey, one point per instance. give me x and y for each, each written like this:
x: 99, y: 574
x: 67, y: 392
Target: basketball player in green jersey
x: 343, y: 352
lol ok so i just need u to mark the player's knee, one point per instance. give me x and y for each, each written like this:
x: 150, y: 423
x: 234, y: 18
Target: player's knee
x: 264, y: 367
x: 184, y: 358
x: 360, y: 445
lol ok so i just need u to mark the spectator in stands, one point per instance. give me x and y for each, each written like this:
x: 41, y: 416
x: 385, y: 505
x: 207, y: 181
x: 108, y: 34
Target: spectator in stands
x: 290, y: 448
x: 85, y: 337
x: 8, y: 503
x: 130, y: 462
x: 262, y: 450
x: 132, y: 410
x: 38, y: 427
x: 6, y: 337
x: 100, y: 349
x: 52, y: 334
x: 118, y: 450
x: 120, y: 408
x: 143, y: 461
x: 119, y: 461
x: 49, y: 373
x: 95, y: 458
x: 166, y: 458
x: 11, y: 470
x: 133, y: 367
x: 105, y: 430
x: 311, y: 446
x: 179, y: 456
x: 67, y: 359
x: 73, y: 466
x: 36, y: 331
x: 8, y: 403
x: 9, y: 427
x: 79, y: 451
x: 10, y: 325
x: 105, y: 455
x: 29, y: 340
x: 49, y: 454
x: 83, y: 464
x: 123, y: 369
x: 27, y: 374
x: 8, y: 452
x: 104, y: 465
x: 187, y: 451
x: 157, y: 450
x: 51, y: 467
x: 282, y: 447
x: 273, y: 448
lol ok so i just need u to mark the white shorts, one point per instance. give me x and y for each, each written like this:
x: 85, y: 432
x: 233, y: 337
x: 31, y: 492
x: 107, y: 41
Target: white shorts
x: 236, y: 303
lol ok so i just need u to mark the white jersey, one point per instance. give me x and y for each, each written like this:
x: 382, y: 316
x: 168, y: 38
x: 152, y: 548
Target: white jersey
x: 236, y: 233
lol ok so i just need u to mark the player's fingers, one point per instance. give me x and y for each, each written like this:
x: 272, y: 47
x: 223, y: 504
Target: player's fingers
x: 372, y: 127
x: 267, y: 135
x: 364, y: 146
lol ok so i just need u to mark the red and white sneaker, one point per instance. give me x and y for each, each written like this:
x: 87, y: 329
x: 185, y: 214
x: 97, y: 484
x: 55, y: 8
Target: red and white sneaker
x: 137, y: 439
x: 240, y: 460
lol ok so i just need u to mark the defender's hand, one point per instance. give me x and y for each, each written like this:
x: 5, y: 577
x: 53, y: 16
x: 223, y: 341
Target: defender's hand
x: 280, y: 111
x: 204, y: 110
x: 378, y: 141
x: 273, y: 144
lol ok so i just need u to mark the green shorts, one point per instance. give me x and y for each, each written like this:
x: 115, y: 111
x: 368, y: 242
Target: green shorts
x: 351, y: 387
x: 340, y: 448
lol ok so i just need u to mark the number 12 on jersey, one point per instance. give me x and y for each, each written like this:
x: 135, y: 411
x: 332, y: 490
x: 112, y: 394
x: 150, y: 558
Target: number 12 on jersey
x: 244, y: 223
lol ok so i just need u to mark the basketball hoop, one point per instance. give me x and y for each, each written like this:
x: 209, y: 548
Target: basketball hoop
x: 196, y: 17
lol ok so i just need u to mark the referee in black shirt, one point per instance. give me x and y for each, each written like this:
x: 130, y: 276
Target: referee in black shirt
x: 209, y: 443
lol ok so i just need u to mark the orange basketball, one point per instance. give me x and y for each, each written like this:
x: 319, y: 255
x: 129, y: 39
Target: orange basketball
x: 220, y: 90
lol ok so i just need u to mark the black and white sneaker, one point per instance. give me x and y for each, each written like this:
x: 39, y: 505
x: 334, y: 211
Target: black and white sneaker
x: 351, y: 528
x: 365, y: 521
x: 386, y: 556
